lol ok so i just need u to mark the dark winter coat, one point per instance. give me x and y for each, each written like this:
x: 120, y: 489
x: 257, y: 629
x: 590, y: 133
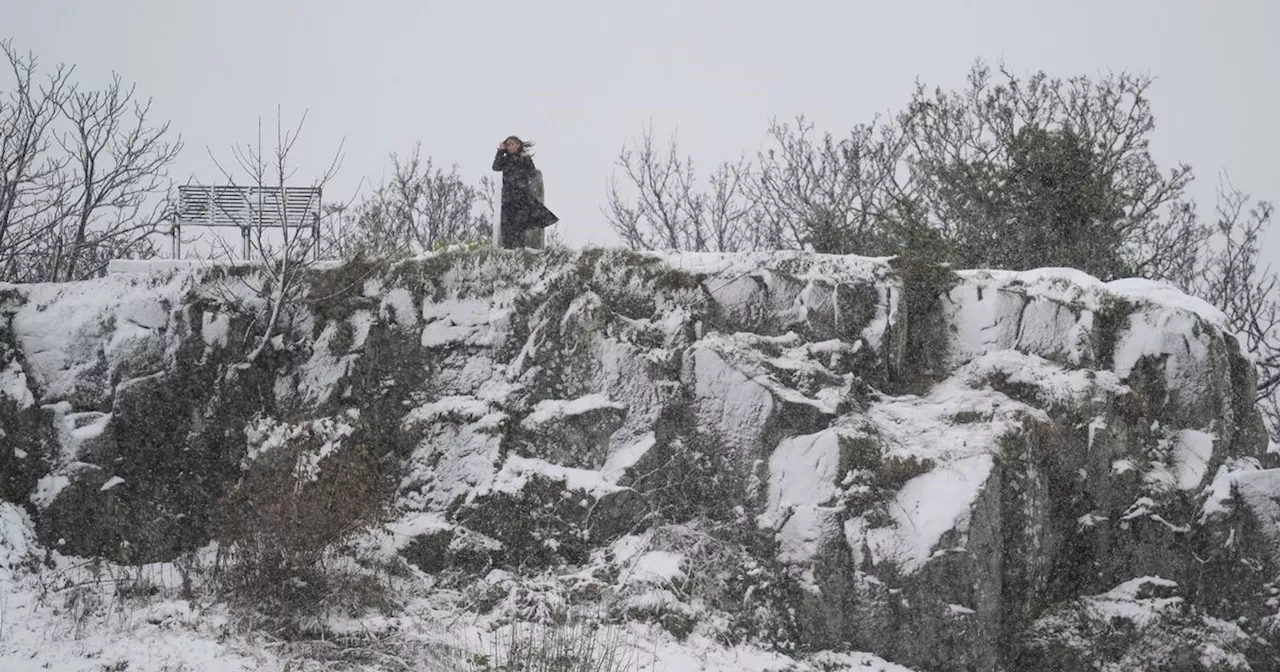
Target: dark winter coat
x: 520, y: 210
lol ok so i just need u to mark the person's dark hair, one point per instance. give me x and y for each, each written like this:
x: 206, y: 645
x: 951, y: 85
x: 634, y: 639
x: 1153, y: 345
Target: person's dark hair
x: 525, y: 145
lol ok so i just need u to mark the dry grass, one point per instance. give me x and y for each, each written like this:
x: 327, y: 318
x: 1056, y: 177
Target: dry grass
x: 575, y: 646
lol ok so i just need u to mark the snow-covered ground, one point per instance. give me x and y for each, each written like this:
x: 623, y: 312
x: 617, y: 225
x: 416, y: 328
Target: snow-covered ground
x: 70, y: 615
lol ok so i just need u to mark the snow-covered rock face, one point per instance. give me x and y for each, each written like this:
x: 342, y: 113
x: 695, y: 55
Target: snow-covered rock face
x: 919, y: 464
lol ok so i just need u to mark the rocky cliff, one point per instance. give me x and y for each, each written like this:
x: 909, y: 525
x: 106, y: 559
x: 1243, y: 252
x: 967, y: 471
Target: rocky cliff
x: 970, y: 470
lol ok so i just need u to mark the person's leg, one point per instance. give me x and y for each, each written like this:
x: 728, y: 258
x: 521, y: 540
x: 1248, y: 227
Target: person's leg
x: 535, y: 239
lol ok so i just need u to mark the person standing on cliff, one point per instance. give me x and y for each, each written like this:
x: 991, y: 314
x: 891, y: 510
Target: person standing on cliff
x: 522, y: 208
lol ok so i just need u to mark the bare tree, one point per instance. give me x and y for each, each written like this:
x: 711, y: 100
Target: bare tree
x: 368, y: 227
x: 82, y: 174
x: 432, y: 206
x: 118, y: 162
x: 657, y: 220
x: 962, y: 144
x: 971, y: 163
x: 419, y: 209
x: 1234, y: 279
x: 671, y: 211
x: 285, y: 251
x: 488, y: 204
x: 33, y: 189
x: 823, y: 194
x: 335, y: 221
x: 723, y: 218
x: 831, y: 195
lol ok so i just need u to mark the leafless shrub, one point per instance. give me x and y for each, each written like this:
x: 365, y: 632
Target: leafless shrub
x: 285, y: 533
x: 670, y: 210
x: 421, y: 208
x: 1234, y: 277
x: 827, y: 194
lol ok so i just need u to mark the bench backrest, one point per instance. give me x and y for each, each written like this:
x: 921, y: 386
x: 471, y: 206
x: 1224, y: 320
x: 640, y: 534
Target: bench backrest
x: 248, y: 206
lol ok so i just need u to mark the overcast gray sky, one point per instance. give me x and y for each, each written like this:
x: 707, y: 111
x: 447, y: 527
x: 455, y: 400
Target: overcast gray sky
x: 582, y: 76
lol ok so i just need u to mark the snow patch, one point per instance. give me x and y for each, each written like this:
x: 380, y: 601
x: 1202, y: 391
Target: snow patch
x: 268, y: 435
x: 959, y: 610
x: 728, y: 402
x: 68, y: 330
x: 17, y: 536
x: 399, y: 307
x: 214, y: 329
x: 452, y: 461
x: 927, y: 507
x: 47, y: 489
x: 459, y: 407
x: 620, y: 460
x: 474, y: 322
x: 517, y: 471
x: 1192, y: 450
x: 802, y: 478
x: 13, y: 384
x: 553, y: 409
x: 1258, y: 489
x: 1124, y: 602
x: 655, y: 568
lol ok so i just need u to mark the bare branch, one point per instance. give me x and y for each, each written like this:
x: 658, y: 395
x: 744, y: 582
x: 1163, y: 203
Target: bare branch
x: 120, y: 162
x: 34, y: 190
x: 285, y: 262
x: 420, y: 208
x: 671, y: 211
